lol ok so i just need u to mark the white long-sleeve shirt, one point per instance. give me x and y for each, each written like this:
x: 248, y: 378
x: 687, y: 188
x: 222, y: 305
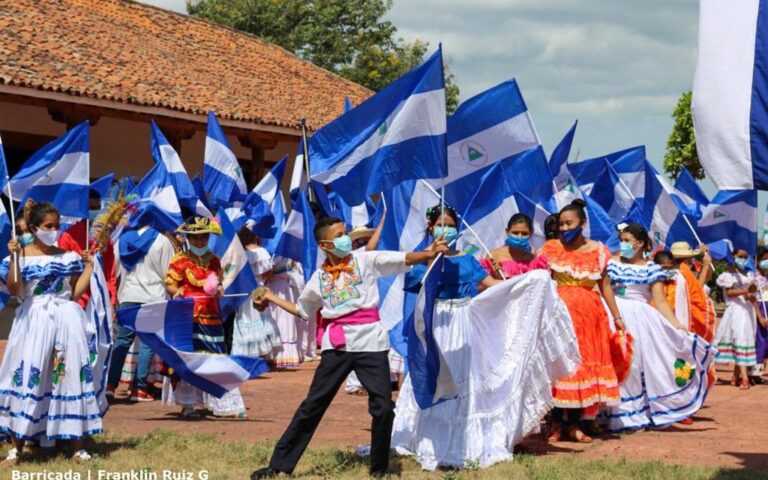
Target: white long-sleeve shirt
x: 145, y: 283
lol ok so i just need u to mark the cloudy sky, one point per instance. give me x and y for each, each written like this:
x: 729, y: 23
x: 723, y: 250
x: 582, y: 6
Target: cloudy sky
x: 616, y: 66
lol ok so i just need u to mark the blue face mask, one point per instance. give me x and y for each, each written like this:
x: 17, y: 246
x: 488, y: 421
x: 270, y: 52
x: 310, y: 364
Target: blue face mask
x: 570, y: 236
x: 519, y: 243
x: 626, y: 250
x: 741, y: 262
x: 26, y: 239
x: 448, y: 234
x: 199, y: 251
x: 342, y: 246
x: 763, y: 264
x: 93, y: 214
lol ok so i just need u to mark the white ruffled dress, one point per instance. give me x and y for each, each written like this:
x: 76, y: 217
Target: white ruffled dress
x: 736, y: 334
x: 504, y: 349
x: 46, y: 377
x: 254, y: 333
x: 667, y: 381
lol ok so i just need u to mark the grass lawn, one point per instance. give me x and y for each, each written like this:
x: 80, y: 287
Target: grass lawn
x: 187, y: 455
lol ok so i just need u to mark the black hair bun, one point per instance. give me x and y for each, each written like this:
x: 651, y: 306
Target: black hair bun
x: 577, y: 202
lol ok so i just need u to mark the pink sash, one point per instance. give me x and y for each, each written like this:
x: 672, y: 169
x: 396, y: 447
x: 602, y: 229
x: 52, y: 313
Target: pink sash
x: 334, y: 325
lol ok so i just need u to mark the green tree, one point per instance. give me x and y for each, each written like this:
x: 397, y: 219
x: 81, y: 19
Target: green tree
x: 348, y: 37
x: 681, y: 144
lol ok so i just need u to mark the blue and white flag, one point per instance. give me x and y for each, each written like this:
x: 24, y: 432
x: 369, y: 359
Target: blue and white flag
x: 629, y: 164
x: 98, y: 331
x: 167, y: 328
x: 564, y: 184
x: 587, y: 171
x: 236, y: 274
x: 730, y: 93
x: 662, y: 217
x: 268, y: 192
x: 613, y: 194
x: 600, y: 225
x: 490, y: 127
x: 57, y: 173
x: 731, y: 215
x: 297, y: 241
x: 158, y: 204
x: 558, y: 161
x: 222, y: 176
x: 689, y: 193
x: 396, y: 135
x: 102, y: 185
x: 6, y: 229
x: 165, y: 155
x: 430, y: 376
x: 197, y: 184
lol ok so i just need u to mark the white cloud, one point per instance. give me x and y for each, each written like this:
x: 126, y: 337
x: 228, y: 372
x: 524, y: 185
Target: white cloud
x: 175, y: 5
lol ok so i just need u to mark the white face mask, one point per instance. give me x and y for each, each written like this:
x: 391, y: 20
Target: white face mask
x: 48, y: 237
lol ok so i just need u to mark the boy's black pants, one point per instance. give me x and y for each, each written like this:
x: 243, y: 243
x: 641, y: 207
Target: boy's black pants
x: 372, y: 368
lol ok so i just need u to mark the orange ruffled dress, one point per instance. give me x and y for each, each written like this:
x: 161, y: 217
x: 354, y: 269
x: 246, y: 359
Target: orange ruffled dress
x: 576, y: 274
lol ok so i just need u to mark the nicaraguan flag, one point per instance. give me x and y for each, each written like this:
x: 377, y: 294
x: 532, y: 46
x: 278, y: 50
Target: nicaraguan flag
x: 586, y: 172
x: 57, y: 173
x: 730, y: 93
x: 430, y: 376
x: 612, y: 193
x: 98, y: 331
x: 197, y: 184
x: 167, y: 328
x: 490, y: 127
x: 689, y: 194
x: 103, y: 185
x: 600, y: 225
x: 236, y: 274
x: 158, y: 204
x: 404, y: 230
x: 732, y: 215
x: 661, y: 214
x: 564, y: 184
x: 222, y: 176
x: 396, y: 135
x: 165, y: 155
x: 296, y: 241
x: 268, y: 192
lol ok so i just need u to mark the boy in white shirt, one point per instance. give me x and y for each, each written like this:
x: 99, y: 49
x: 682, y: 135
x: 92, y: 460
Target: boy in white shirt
x: 345, y: 291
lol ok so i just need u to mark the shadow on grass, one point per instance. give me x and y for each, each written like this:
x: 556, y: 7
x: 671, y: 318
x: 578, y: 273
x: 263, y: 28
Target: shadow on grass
x: 102, y: 447
x: 756, y: 462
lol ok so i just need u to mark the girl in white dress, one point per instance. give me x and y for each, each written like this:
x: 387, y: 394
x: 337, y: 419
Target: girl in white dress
x: 286, y: 280
x: 255, y: 333
x: 667, y: 379
x: 735, y: 337
x: 46, y: 377
x: 502, y: 351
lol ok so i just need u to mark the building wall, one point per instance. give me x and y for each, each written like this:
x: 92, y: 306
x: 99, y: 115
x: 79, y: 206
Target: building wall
x: 122, y: 146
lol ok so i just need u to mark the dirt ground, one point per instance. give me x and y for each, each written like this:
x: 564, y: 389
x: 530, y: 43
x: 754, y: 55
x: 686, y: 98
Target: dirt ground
x: 731, y: 431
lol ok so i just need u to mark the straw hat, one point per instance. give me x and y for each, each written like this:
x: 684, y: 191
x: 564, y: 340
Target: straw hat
x: 683, y: 250
x: 199, y: 226
x: 361, y: 231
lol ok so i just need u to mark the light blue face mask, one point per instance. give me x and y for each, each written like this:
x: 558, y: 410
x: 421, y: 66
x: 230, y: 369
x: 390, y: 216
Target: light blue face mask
x: 342, y: 246
x: 26, y: 239
x: 93, y: 214
x: 626, y: 250
x: 519, y: 243
x: 448, y: 234
x: 199, y: 251
x: 763, y: 264
x: 741, y: 262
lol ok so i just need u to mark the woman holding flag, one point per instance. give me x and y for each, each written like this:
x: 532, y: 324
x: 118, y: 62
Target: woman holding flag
x: 46, y: 378
x: 578, y: 266
x: 500, y: 352
x: 196, y: 274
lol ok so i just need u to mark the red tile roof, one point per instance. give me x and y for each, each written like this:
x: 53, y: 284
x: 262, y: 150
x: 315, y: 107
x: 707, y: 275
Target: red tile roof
x: 123, y: 51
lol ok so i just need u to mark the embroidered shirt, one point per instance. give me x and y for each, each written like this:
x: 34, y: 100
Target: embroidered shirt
x: 349, y: 292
